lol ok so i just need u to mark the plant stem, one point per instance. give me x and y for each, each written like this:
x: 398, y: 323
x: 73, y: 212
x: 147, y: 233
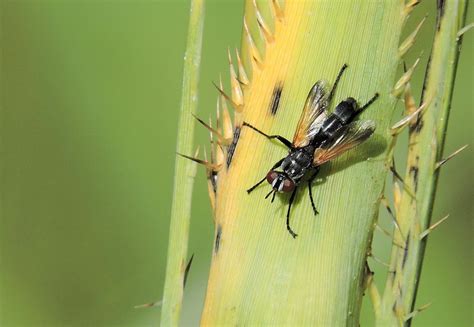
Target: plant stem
x: 185, y: 171
x: 259, y: 273
x: 426, y: 140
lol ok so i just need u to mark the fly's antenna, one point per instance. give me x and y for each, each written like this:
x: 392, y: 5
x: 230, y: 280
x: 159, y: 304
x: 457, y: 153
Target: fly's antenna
x: 273, y: 197
x: 369, y: 102
x: 331, y: 94
x: 266, y: 196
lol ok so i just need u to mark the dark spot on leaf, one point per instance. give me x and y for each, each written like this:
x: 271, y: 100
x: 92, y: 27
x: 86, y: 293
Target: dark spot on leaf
x: 417, y: 126
x: 217, y: 243
x: 414, y: 173
x: 233, y: 145
x: 405, y: 251
x: 186, y: 271
x: 425, y: 79
x: 440, y: 4
x: 394, y: 307
x: 275, y: 102
x: 213, y: 177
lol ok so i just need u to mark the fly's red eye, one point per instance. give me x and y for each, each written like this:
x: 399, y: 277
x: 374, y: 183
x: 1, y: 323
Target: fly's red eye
x: 271, y: 176
x: 288, y: 185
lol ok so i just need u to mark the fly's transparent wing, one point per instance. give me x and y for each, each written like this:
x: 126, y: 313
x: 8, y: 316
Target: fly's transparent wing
x: 314, y: 113
x: 346, y: 138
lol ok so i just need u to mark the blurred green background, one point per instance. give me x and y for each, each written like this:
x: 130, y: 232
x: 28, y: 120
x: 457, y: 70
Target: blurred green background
x: 89, y: 101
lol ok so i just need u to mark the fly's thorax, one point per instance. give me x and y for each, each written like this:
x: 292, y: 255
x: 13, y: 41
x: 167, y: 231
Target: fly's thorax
x: 297, y: 163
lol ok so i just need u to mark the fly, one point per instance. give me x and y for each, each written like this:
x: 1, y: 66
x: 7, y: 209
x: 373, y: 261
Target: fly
x: 320, y: 136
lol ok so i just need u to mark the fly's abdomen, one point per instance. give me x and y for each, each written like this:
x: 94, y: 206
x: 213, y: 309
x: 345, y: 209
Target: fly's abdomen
x: 344, y: 113
x: 330, y: 126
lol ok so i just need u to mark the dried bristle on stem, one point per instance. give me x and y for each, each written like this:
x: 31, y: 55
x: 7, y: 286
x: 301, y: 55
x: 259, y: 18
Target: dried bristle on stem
x: 237, y: 93
x: 432, y: 227
x: 215, y: 132
x: 277, y: 10
x: 207, y: 164
x: 410, y: 119
x: 227, y: 129
x: 243, y: 78
x: 409, y: 6
x: 464, y: 30
x: 451, y: 156
x: 234, y: 105
x: 220, y: 157
x: 410, y: 40
x: 406, y: 77
x: 414, y: 313
x: 263, y: 27
x: 257, y: 61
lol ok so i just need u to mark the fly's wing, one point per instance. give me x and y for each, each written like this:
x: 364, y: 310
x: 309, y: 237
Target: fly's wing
x: 314, y: 113
x: 347, y: 137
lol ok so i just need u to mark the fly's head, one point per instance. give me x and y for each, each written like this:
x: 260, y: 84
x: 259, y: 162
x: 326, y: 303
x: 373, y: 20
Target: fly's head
x: 280, y: 182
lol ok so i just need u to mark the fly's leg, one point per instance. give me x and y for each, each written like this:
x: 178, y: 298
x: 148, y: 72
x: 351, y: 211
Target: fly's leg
x: 310, y: 182
x: 292, y: 198
x: 255, y: 186
x: 331, y: 94
x: 263, y: 179
x: 372, y: 100
x: 278, y: 137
